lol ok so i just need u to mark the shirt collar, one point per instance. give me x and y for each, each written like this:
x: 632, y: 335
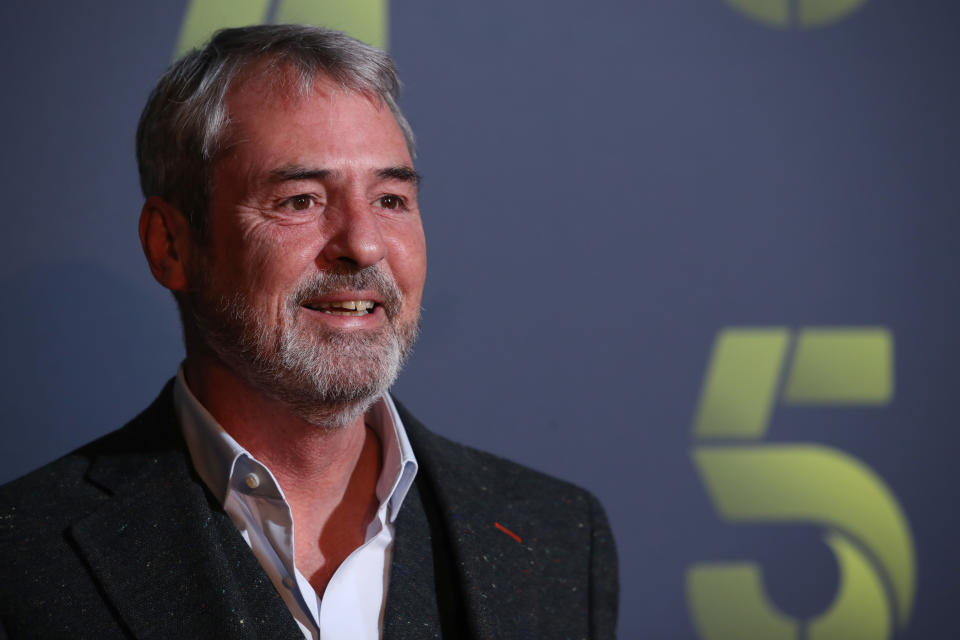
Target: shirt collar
x: 214, y: 451
x: 399, y: 463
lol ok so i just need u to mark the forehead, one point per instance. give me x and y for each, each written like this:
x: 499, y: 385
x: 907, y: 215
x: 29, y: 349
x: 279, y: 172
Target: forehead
x: 271, y: 112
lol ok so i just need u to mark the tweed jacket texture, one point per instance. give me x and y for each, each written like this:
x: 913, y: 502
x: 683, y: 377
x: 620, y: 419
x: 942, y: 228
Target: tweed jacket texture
x: 121, y: 539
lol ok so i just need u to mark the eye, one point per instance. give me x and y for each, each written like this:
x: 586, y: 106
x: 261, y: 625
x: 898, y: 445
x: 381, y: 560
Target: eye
x: 391, y: 201
x: 300, y: 202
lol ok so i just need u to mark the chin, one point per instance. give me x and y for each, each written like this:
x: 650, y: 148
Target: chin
x: 327, y: 379
x: 334, y: 417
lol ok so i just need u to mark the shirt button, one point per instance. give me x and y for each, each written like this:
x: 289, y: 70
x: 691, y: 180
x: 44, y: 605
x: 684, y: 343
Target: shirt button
x: 252, y: 480
x: 288, y: 582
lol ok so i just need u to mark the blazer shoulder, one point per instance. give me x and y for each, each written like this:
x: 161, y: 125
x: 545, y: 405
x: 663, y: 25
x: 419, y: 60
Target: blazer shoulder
x: 62, y: 489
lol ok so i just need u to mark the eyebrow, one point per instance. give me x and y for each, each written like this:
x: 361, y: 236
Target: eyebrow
x: 404, y: 174
x: 288, y: 174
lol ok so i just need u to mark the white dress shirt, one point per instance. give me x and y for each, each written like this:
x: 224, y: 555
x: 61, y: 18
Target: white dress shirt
x: 351, y: 607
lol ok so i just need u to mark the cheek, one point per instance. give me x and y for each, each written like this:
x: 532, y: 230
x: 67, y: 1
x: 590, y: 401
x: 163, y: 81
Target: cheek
x: 408, y: 262
x: 270, y: 260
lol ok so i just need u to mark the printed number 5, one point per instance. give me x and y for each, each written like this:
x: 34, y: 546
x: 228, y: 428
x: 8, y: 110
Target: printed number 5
x: 799, y: 483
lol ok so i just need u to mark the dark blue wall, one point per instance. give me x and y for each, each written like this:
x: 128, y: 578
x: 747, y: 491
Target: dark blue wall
x: 607, y: 185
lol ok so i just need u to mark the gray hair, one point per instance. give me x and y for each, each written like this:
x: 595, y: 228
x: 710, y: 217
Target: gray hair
x: 184, y: 124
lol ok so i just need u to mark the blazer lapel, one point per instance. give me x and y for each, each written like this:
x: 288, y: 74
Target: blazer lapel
x: 424, y: 598
x: 482, y: 559
x: 168, y: 558
x: 411, y: 610
x: 510, y: 550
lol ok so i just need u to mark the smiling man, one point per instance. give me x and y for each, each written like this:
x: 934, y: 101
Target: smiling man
x: 275, y: 488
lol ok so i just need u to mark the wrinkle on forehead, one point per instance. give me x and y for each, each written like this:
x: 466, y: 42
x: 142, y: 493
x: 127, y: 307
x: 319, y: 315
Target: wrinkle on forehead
x: 283, y: 84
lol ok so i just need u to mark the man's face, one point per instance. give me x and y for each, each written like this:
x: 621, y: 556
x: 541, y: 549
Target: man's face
x: 309, y: 287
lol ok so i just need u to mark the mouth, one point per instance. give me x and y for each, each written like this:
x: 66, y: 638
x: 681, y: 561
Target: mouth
x: 343, y: 307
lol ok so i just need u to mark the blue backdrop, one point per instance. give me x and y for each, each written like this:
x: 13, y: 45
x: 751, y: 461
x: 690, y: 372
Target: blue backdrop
x: 607, y: 186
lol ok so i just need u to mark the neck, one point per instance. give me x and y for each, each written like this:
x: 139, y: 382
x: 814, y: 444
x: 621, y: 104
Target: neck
x: 300, y: 454
x: 328, y: 474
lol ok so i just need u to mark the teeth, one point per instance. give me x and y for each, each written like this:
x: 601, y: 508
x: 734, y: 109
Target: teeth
x: 346, y: 307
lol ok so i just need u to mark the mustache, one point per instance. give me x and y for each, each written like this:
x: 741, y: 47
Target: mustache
x: 340, y: 279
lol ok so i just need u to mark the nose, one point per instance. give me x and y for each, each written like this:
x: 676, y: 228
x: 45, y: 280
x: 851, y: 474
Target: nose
x: 355, y: 238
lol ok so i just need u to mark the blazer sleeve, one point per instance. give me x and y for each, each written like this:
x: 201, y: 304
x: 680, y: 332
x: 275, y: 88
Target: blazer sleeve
x: 604, y: 576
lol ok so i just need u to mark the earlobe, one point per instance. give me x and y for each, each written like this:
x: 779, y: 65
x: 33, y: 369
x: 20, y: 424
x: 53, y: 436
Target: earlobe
x: 165, y: 238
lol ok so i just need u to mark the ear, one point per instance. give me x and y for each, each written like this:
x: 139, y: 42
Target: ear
x: 166, y: 240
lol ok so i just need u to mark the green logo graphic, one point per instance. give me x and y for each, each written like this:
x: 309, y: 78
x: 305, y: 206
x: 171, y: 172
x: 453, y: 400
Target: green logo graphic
x: 806, y: 14
x: 751, y: 482
x: 363, y: 19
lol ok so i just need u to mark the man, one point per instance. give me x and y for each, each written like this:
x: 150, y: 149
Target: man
x: 275, y: 489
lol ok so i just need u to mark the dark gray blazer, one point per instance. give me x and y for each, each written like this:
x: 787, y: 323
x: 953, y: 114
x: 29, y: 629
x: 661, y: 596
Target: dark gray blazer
x: 121, y: 539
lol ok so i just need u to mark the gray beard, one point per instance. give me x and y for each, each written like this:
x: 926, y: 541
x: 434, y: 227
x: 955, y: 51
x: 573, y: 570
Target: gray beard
x: 327, y: 378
